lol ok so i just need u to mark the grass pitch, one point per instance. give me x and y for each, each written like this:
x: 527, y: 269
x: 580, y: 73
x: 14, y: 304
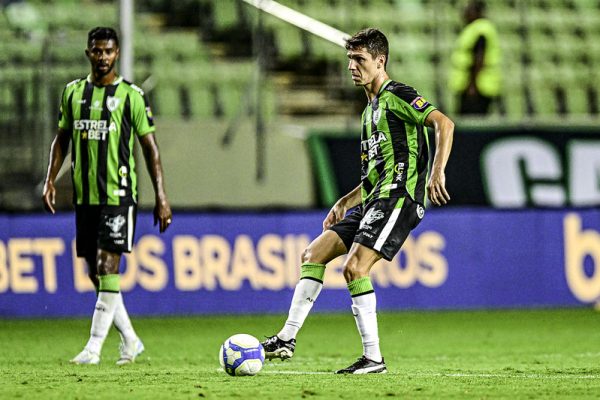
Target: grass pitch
x: 480, y: 354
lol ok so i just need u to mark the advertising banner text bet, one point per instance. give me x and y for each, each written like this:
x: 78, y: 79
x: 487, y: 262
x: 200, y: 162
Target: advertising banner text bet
x: 249, y: 263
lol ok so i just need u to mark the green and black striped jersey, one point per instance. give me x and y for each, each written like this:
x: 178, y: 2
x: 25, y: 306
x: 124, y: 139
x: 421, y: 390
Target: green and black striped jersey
x: 103, y: 122
x: 394, y: 144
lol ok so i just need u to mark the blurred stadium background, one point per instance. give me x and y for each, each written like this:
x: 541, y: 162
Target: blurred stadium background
x: 258, y: 126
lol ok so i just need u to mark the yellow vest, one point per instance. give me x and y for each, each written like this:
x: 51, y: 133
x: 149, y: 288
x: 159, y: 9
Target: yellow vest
x: 488, y: 80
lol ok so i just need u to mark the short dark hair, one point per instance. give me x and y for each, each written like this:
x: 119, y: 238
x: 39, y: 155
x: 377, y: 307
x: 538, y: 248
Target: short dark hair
x: 373, y: 40
x: 102, y: 33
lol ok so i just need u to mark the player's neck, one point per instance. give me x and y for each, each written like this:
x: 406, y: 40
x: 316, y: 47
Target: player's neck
x: 372, y: 89
x: 104, y: 80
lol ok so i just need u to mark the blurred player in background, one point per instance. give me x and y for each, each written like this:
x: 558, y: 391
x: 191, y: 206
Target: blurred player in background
x: 390, y: 198
x: 101, y: 115
x: 475, y: 75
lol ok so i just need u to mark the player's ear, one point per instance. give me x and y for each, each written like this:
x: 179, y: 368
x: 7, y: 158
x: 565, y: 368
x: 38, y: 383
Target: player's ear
x: 87, y: 53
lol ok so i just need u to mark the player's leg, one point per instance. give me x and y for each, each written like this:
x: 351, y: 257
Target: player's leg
x: 122, y: 322
x: 323, y: 249
x: 364, y: 308
x: 383, y: 230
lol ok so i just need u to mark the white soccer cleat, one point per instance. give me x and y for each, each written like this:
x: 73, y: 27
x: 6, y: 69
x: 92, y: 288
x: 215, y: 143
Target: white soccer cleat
x: 86, y: 357
x: 130, y: 352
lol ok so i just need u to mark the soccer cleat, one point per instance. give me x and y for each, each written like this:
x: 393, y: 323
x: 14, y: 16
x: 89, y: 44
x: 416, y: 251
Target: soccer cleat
x: 130, y: 352
x: 86, y: 357
x: 364, y: 366
x: 277, y: 348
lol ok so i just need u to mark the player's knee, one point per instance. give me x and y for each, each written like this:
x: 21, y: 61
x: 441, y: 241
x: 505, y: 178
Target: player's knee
x: 352, y: 269
x: 307, y: 255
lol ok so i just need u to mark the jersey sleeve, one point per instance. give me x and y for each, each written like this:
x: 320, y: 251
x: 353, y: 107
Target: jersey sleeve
x: 409, y: 105
x: 143, y: 120
x: 65, y: 115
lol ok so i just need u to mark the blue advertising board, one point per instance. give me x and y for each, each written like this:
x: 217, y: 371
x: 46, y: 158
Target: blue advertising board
x: 249, y: 263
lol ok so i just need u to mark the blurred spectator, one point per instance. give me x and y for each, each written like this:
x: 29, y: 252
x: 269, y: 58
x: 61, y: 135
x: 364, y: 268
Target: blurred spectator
x: 475, y: 75
x: 23, y: 18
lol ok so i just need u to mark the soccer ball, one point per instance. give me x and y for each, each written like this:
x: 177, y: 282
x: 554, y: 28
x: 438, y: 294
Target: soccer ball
x: 241, y: 355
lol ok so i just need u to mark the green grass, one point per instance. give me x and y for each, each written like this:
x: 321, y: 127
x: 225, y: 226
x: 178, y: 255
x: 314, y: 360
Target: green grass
x: 482, y: 355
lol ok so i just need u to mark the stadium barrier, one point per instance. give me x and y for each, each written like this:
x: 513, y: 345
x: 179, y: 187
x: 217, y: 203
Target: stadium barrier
x: 498, y: 166
x: 248, y: 263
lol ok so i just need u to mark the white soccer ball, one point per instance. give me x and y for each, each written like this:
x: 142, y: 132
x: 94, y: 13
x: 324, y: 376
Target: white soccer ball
x: 242, y: 355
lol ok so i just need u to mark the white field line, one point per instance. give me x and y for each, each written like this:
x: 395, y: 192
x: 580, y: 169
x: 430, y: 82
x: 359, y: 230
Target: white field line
x: 444, y: 375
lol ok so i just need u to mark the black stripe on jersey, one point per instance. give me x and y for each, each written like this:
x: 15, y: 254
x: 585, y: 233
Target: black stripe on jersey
x: 86, y: 101
x: 422, y: 164
x: 124, y: 144
x: 69, y: 110
x: 380, y: 163
x: 366, y: 184
x: 101, y: 176
x: 399, y: 140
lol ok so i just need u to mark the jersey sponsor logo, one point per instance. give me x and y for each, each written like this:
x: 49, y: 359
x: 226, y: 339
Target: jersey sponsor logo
x: 149, y: 114
x: 399, y: 171
x: 92, y: 129
x: 372, y: 145
x: 97, y: 106
x: 112, y: 103
x: 371, y: 216
x: 419, y: 103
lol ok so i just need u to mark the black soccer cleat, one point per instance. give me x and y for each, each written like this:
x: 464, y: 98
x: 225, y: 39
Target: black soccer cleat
x: 277, y: 348
x: 364, y: 366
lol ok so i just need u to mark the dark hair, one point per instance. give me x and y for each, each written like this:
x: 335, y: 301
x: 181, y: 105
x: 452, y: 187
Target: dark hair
x: 102, y: 33
x: 372, y: 39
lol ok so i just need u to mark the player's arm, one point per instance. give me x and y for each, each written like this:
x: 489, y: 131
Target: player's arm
x: 58, y: 153
x: 162, y: 209
x: 444, y: 132
x: 339, y: 209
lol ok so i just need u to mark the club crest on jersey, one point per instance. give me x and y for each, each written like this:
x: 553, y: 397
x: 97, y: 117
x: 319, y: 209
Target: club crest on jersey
x: 112, y: 103
x: 419, y: 103
x: 376, y: 116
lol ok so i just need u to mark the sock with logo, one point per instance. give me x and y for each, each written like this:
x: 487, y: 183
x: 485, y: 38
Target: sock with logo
x: 104, y: 312
x: 122, y: 322
x: 306, y: 293
x: 364, y: 304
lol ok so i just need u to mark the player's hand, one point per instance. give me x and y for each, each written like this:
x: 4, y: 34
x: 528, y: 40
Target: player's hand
x: 162, y: 215
x: 49, y: 197
x: 335, y: 215
x: 437, y: 188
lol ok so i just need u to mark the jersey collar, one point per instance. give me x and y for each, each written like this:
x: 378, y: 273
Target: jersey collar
x: 383, y: 85
x: 117, y: 80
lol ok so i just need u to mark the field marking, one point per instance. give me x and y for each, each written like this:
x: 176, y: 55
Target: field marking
x: 449, y: 375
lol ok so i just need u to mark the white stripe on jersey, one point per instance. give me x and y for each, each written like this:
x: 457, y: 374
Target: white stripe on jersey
x: 130, y: 228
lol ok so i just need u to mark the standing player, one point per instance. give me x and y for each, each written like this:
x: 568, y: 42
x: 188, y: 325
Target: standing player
x: 101, y: 115
x: 390, y: 198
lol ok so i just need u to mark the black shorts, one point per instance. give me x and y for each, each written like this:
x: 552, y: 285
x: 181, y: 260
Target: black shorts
x: 110, y: 228
x: 382, y: 225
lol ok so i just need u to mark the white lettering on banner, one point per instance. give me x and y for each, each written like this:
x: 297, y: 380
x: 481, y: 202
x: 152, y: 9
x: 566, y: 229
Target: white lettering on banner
x: 522, y: 171
x: 579, y: 245
x: 584, y: 172
x: 17, y: 264
x: 211, y: 262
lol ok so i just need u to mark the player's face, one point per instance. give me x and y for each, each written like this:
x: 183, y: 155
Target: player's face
x: 103, y: 55
x: 363, y: 67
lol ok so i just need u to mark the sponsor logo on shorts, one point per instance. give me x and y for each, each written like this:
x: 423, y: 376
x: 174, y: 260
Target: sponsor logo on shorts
x: 420, y: 212
x: 371, y: 216
x: 116, y: 223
